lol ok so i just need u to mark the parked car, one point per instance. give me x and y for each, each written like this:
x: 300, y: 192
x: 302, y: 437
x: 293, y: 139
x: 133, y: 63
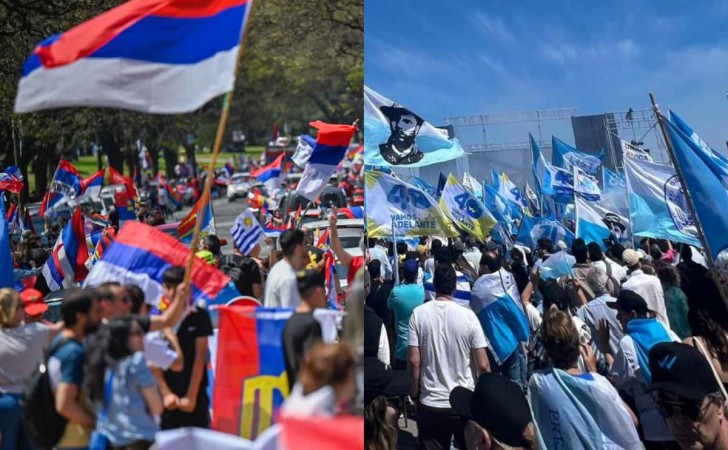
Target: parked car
x: 239, y: 186
x: 350, y: 233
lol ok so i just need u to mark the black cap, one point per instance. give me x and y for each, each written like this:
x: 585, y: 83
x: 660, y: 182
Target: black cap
x: 307, y: 279
x: 497, y: 404
x: 682, y: 370
x: 380, y: 381
x: 629, y: 301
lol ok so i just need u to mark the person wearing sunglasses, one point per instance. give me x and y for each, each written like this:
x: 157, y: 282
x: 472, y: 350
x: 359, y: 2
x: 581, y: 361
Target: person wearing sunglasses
x: 688, y: 396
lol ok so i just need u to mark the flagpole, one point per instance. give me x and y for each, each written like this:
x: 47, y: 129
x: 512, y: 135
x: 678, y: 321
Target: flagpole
x: 227, y: 101
x: 689, y: 198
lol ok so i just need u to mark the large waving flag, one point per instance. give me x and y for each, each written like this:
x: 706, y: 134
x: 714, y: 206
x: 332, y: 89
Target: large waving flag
x: 567, y: 157
x: 6, y: 256
x: 246, y: 232
x: 140, y: 254
x: 66, y: 180
x: 187, y: 225
x: 401, y: 209
x: 474, y: 185
x: 155, y: 56
x: 716, y: 159
x: 657, y: 204
x: 706, y: 178
x: 396, y: 136
x: 465, y: 210
x: 270, y: 175
x: 534, y: 228
x: 332, y: 142
x: 251, y: 382
x: 550, y: 180
x: 540, y: 167
x: 116, y: 177
x: 589, y: 223
x: 498, y: 206
x: 532, y: 198
x: 67, y: 264
x: 304, y: 149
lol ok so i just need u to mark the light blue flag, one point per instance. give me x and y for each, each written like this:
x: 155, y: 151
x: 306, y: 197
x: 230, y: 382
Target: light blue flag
x: 615, y: 191
x: 590, y: 225
x: 706, y: 179
x: 716, y: 158
x: 534, y: 228
x: 496, y: 179
x: 586, y: 186
x: 498, y: 206
x: 657, y: 205
x: 6, y: 257
x: 396, y: 136
x: 425, y: 186
x: 550, y: 180
x: 566, y: 157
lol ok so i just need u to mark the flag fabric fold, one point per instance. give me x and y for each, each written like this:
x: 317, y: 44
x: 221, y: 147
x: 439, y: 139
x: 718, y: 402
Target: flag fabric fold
x: 67, y: 264
x: 589, y: 223
x: 139, y: 56
x: 187, y: 225
x: 567, y: 157
x: 270, y: 175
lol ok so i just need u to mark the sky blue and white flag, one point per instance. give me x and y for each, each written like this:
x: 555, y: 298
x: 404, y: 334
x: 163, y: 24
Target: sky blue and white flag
x: 532, y: 198
x: 706, y: 178
x: 510, y: 192
x: 616, y: 220
x: 246, y: 232
x: 630, y: 151
x: 566, y: 157
x: 716, y: 158
x: 550, y: 180
x: 496, y: 178
x: 586, y: 186
x: 473, y: 184
x: 534, y: 228
x: 496, y: 301
x: 498, y: 207
x: 425, y: 186
x: 396, y: 136
x: 614, y: 190
x: 657, y: 204
x: 589, y: 223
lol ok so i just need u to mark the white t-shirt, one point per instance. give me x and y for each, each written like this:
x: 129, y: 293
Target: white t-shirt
x: 628, y: 376
x: 618, y: 272
x: 593, y: 312
x: 281, y: 289
x: 446, y: 335
x: 649, y: 288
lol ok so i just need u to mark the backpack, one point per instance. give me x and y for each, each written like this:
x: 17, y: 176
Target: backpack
x: 616, y: 285
x: 42, y: 423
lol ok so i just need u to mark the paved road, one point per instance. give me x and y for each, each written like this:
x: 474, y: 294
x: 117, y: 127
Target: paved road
x: 225, y: 214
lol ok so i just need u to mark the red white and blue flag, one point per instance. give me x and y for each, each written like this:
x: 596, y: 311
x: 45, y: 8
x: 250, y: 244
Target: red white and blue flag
x: 154, y: 56
x: 66, y: 265
x: 332, y: 142
x: 10, y: 183
x: 140, y: 254
x: 65, y: 187
x: 91, y: 186
x: 270, y: 175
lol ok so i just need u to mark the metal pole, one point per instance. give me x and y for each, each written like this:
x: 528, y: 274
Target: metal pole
x: 688, y: 197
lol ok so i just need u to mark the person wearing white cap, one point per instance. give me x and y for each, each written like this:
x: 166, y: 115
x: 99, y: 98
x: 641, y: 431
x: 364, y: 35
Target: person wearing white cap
x: 647, y: 286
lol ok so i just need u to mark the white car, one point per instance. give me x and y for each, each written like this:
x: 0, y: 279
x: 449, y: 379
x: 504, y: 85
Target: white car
x: 239, y: 186
x: 350, y: 233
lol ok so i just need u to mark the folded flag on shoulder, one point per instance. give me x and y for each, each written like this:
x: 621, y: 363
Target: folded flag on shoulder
x: 332, y: 142
x: 154, y: 56
x: 67, y: 264
x: 246, y: 232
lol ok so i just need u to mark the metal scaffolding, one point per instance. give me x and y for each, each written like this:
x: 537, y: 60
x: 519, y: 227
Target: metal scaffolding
x: 637, y: 127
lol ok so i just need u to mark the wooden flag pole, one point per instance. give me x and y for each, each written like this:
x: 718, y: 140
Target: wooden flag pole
x: 689, y: 198
x: 227, y: 101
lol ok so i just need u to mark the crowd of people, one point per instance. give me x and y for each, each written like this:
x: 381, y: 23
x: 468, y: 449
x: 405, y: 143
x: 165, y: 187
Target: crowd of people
x: 488, y: 347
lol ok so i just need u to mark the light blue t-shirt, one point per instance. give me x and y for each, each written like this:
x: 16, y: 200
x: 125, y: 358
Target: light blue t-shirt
x: 127, y: 419
x: 402, y: 301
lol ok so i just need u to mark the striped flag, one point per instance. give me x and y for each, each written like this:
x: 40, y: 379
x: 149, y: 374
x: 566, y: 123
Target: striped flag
x: 187, y: 225
x: 246, y: 232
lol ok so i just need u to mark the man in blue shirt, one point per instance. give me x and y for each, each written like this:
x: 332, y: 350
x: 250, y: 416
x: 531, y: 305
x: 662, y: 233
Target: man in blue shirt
x: 402, y: 301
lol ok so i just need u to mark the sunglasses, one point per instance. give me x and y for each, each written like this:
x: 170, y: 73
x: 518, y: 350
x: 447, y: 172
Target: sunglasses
x: 692, y: 411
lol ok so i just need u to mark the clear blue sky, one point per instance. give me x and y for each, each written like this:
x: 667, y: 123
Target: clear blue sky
x: 489, y: 56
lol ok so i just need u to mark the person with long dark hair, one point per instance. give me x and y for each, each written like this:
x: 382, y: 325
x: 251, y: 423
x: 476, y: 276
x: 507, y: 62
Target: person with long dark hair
x: 121, y: 387
x: 709, y: 323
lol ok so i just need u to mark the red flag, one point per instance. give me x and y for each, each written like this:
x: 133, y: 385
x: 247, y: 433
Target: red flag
x: 323, y: 433
x: 117, y: 178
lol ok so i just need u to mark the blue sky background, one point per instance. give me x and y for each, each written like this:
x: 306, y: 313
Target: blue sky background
x: 481, y: 57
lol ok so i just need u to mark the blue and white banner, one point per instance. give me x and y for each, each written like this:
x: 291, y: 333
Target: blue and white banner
x: 551, y: 180
x: 465, y: 210
x: 510, y: 192
x: 497, y: 205
x: 427, y: 187
x: 657, y: 204
x: 532, y: 198
x: 589, y: 223
x: 396, y: 136
x: 586, y: 186
x: 247, y: 232
x: 534, y: 228
x: 471, y: 183
x: 630, y: 151
x: 567, y: 157
x: 706, y: 178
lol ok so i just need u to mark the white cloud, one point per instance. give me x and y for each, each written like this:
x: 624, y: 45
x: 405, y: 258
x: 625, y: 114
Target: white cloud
x: 494, y: 27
